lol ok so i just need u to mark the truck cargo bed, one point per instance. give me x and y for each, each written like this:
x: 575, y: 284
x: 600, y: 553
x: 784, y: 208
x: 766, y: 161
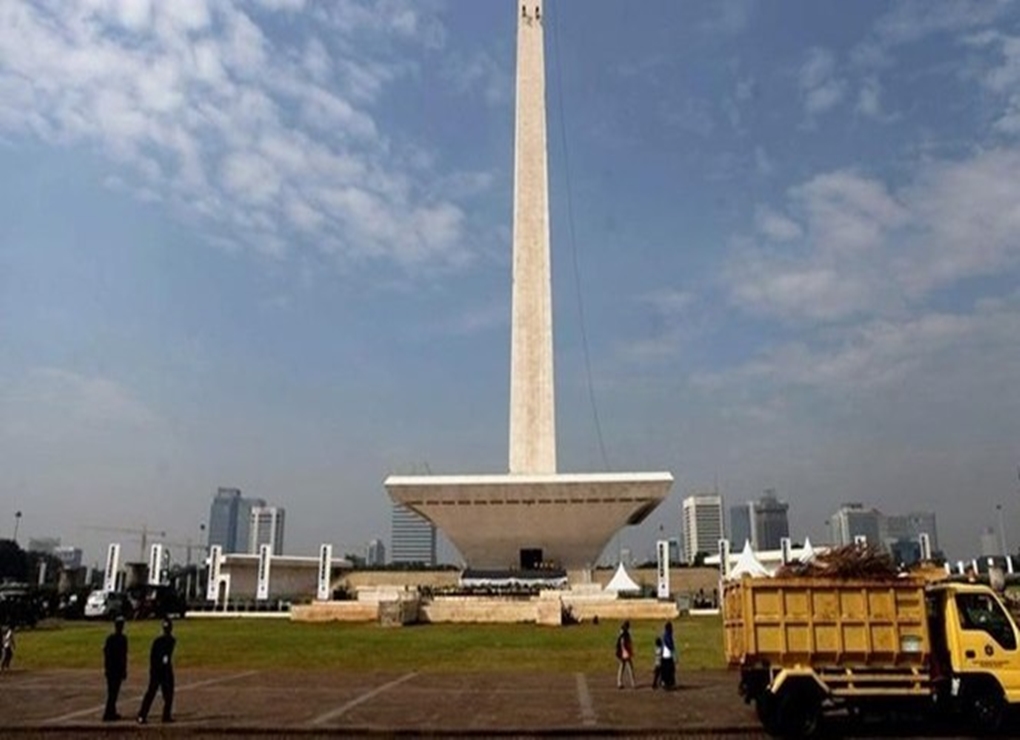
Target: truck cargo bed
x: 826, y: 622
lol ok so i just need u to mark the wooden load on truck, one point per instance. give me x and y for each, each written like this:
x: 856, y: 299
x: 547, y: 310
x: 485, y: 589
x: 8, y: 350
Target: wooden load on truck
x: 805, y: 645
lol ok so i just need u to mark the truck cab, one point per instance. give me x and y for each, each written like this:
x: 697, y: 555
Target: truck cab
x: 975, y: 650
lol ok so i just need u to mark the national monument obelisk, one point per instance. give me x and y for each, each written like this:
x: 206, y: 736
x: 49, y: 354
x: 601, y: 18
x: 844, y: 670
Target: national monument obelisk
x: 533, y: 514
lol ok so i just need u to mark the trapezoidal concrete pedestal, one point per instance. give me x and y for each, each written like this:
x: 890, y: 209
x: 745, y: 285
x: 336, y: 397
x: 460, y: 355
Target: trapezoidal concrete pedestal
x: 522, y: 521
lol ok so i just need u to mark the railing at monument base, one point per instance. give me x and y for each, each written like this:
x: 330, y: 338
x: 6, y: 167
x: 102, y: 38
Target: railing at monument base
x: 240, y: 607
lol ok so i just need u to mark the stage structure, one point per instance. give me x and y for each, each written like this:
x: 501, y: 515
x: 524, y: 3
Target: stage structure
x: 533, y: 516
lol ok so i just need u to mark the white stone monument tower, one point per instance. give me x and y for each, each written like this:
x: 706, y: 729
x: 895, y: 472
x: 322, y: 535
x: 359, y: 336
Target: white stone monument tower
x: 532, y: 515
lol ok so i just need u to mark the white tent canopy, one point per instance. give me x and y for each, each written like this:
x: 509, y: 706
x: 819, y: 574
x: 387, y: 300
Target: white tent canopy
x: 748, y: 565
x: 807, y: 553
x: 621, y: 581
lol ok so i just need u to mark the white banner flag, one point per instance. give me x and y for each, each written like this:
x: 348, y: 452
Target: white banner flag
x: 156, y: 565
x: 265, y: 555
x: 325, y: 572
x: 112, y: 564
x: 662, y: 555
x: 212, y: 588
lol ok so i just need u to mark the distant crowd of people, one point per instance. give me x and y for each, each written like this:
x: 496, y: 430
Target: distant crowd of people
x: 664, y: 666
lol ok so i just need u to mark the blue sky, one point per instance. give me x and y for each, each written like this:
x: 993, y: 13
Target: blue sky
x: 266, y: 245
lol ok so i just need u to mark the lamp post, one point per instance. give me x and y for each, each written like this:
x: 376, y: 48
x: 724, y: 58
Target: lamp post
x: 17, y: 522
x: 1002, y: 531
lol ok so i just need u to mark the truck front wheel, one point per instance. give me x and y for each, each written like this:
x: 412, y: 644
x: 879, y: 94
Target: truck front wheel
x: 985, y: 706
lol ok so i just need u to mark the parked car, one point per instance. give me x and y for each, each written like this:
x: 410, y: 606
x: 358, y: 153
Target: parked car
x: 157, y: 602
x: 107, y: 605
x: 17, y: 606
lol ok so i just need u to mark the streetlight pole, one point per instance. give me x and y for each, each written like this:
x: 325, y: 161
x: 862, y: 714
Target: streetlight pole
x: 1002, y: 531
x: 17, y: 522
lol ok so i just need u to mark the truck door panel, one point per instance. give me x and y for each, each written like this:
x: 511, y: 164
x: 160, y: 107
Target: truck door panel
x: 987, y: 640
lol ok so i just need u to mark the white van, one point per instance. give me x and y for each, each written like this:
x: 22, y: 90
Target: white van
x: 106, y: 605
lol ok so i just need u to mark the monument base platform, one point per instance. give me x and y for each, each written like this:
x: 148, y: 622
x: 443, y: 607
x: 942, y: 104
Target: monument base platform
x: 531, y: 521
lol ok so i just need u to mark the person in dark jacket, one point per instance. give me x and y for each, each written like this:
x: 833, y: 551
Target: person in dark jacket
x: 668, y: 658
x: 161, y: 674
x: 115, y: 653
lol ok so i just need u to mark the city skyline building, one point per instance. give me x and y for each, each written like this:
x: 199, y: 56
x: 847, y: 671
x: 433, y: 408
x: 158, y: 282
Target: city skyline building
x: 702, y: 523
x: 991, y: 544
x: 740, y: 525
x: 266, y: 528
x: 375, y: 553
x: 412, y: 537
x: 43, y: 544
x: 770, y: 521
x: 763, y: 522
x: 230, y: 520
x: 909, y: 527
x: 852, y: 520
x: 71, y: 557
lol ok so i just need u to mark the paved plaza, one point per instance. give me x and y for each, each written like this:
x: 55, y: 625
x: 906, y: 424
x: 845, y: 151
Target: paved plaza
x: 68, y: 703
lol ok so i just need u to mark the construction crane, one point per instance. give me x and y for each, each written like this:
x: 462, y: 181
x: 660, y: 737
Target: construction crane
x: 142, y: 533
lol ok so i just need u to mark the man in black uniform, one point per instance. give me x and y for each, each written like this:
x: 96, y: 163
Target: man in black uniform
x: 161, y: 674
x: 115, y: 653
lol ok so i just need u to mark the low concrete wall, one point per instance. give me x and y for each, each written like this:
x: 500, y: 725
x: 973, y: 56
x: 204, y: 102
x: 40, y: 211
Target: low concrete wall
x: 336, y: 611
x: 474, y: 609
x: 397, y: 578
x: 620, y: 609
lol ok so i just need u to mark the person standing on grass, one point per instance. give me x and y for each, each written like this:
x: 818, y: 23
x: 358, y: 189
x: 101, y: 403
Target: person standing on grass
x: 8, y: 647
x: 624, y: 655
x: 657, y: 668
x: 115, y: 653
x: 161, y: 674
x: 668, y: 658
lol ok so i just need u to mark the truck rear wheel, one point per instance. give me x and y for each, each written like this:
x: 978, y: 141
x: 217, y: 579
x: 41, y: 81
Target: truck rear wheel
x: 767, y: 707
x: 799, y: 711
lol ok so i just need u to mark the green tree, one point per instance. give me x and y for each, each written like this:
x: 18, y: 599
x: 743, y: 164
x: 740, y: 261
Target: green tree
x: 13, y: 562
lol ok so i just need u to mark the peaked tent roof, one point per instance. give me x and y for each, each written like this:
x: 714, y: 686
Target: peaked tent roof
x: 621, y: 581
x: 748, y: 565
x: 807, y: 553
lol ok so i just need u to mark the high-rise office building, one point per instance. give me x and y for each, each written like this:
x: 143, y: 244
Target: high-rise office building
x: 852, y: 520
x: 991, y: 545
x: 375, y: 554
x: 764, y: 523
x: 230, y: 520
x: 43, y: 544
x: 909, y: 527
x: 770, y: 521
x: 740, y: 525
x: 266, y: 528
x: 702, y: 524
x: 70, y: 556
x: 412, y: 537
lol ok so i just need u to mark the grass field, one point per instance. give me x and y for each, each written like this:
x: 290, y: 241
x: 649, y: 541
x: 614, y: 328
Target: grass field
x: 282, y: 645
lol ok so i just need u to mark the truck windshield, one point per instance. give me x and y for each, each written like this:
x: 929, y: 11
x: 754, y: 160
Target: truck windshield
x: 982, y: 612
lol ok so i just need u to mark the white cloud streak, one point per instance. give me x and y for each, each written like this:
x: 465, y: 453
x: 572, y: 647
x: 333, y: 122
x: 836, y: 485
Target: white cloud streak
x: 266, y: 141
x: 866, y: 251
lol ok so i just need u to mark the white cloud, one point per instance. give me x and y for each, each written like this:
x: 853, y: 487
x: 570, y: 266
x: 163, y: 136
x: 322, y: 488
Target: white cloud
x: 480, y: 71
x: 869, y: 98
x: 912, y: 20
x: 184, y: 100
x: 50, y: 404
x: 868, y: 251
x: 885, y: 353
x: 819, y: 85
x: 775, y: 226
x: 729, y: 18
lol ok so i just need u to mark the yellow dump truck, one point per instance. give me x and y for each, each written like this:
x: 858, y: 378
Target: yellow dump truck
x: 808, y: 645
